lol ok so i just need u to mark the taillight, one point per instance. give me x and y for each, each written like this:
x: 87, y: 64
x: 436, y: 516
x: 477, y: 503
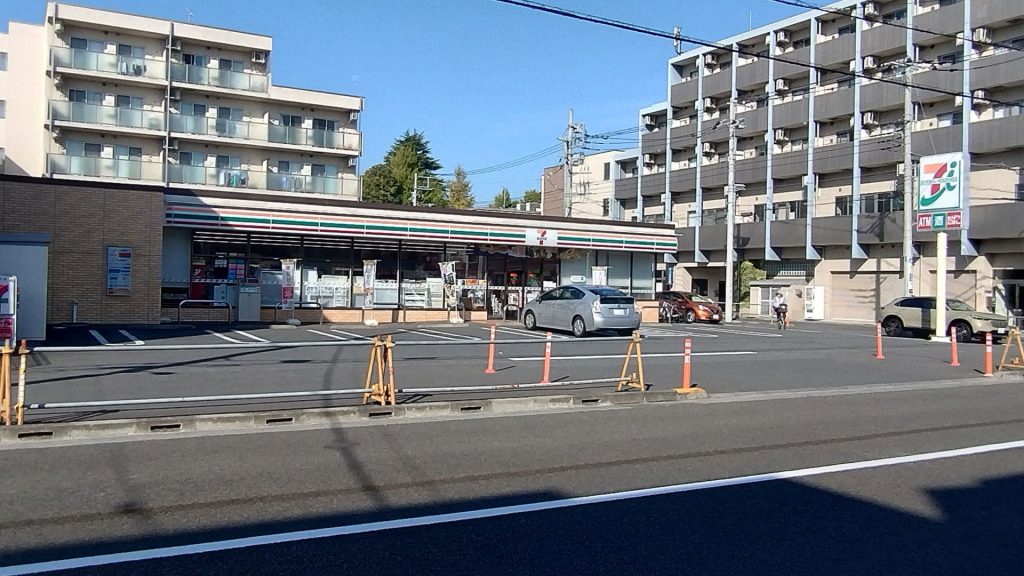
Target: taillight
x: 595, y: 306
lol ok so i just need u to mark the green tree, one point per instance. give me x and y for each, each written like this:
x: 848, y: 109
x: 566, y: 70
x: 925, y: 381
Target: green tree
x: 460, y: 190
x: 425, y: 161
x: 503, y: 200
x: 532, y: 195
x: 746, y: 272
x: 381, y: 186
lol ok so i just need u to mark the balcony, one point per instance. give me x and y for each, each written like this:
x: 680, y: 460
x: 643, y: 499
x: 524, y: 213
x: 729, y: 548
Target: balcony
x: 752, y: 74
x: 833, y: 104
x: 625, y: 188
x: 751, y: 170
x: 989, y: 12
x: 204, y: 76
x: 653, y: 142
x: 126, y: 66
x: 881, y: 96
x: 789, y: 63
x: 130, y: 118
x: 996, y: 135
x: 652, y: 185
x: 683, y: 180
x: 789, y: 114
x: 940, y: 79
x: 835, y: 51
x: 684, y: 93
x: 939, y: 140
x: 883, y: 39
x: 330, y: 185
x: 222, y: 177
x: 260, y: 134
x: 94, y: 167
x: 789, y: 164
x: 946, y: 20
x: 997, y: 70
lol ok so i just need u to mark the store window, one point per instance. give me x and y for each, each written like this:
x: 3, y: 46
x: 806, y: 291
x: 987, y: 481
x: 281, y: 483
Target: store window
x: 642, y: 276
x: 385, y: 287
x: 421, y: 285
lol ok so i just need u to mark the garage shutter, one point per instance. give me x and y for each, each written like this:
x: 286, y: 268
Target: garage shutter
x: 859, y: 297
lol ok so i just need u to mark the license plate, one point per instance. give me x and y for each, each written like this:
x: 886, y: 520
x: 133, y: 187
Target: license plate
x: 618, y: 312
x: 714, y: 317
x: 1001, y: 330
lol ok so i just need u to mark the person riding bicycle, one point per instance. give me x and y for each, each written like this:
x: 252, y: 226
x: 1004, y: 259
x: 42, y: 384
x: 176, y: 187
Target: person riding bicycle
x: 780, y: 307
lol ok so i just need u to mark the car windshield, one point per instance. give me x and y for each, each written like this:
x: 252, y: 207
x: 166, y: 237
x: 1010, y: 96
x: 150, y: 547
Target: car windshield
x: 607, y: 292
x: 702, y: 299
x: 958, y: 306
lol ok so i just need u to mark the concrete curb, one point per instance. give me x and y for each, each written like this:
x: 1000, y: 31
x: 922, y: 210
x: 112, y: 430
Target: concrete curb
x: 140, y: 427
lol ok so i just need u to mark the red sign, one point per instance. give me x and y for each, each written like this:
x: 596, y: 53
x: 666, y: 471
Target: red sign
x: 954, y: 219
x: 924, y: 221
x: 287, y: 293
x: 6, y: 328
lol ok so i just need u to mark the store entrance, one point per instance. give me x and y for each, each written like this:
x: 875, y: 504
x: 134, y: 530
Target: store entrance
x: 514, y: 281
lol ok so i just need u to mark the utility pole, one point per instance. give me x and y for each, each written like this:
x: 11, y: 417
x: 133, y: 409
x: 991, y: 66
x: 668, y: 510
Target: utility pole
x: 417, y: 187
x: 730, y: 214
x: 908, y: 181
x: 573, y: 140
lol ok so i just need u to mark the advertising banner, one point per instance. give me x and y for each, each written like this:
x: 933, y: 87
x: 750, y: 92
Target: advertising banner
x: 599, y: 275
x: 8, y: 307
x: 369, y: 279
x: 119, y: 270
x: 449, y: 279
x: 287, y: 284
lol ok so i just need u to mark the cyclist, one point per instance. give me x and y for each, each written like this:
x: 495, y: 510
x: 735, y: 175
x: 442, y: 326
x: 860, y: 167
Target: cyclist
x: 780, y: 307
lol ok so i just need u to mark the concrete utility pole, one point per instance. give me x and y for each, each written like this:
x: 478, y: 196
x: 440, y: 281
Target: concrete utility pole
x: 908, y: 180
x: 573, y: 140
x: 417, y: 187
x: 730, y: 214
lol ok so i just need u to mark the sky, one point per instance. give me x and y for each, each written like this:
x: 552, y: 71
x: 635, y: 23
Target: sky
x: 486, y: 82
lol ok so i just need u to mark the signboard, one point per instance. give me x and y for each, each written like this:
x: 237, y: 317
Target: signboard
x: 940, y: 193
x: 119, y: 270
x: 287, y: 284
x: 8, y: 307
x: 599, y: 274
x: 449, y: 279
x: 541, y: 237
x: 369, y: 279
x: 6, y: 328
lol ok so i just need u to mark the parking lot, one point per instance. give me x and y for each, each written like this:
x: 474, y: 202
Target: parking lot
x: 89, y: 363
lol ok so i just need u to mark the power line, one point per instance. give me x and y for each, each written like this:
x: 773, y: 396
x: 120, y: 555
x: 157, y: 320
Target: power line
x: 718, y: 46
x: 802, y: 4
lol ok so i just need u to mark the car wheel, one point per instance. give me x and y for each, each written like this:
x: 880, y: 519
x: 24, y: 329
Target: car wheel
x: 530, y: 321
x: 691, y: 316
x: 963, y: 331
x: 892, y: 326
x: 579, y: 327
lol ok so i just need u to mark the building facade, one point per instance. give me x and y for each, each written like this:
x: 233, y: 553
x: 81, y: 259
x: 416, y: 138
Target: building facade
x: 823, y: 108
x: 592, y: 187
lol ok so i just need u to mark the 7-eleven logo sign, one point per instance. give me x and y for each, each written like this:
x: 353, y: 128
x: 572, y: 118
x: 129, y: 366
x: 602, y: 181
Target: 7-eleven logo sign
x: 541, y: 237
x: 939, y: 182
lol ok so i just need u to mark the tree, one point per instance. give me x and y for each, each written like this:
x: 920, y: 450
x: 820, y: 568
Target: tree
x: 381, y: 186
x: 532, y: 196
x: 460, y: 191
x: 503, y: 200
x: 425, y: 162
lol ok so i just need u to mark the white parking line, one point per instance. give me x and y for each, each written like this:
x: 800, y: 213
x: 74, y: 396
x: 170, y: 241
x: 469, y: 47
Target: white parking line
x: 662, y: 332
x: 133, y: 341
x: 250, y: 336
x: 445, y: 335
x: 730, y: 331
x: 517, y: 332
x: 223, y: 337
x: 99, y: 338
x: 350, y: 334
x: 335, y: 336
x: 646, y: 355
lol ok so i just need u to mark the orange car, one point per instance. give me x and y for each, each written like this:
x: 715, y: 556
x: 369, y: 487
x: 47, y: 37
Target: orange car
x: 687, y: 307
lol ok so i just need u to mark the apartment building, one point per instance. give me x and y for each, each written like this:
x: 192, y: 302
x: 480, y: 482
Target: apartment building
x: 817, y: 104
x: 592, y: 187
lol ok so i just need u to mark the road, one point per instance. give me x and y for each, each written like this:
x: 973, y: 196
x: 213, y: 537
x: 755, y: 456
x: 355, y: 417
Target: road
x: 734, y: 358
x: 927, y: 514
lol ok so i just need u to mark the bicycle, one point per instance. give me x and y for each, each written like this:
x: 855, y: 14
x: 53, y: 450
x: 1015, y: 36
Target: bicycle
x: 781, y: 312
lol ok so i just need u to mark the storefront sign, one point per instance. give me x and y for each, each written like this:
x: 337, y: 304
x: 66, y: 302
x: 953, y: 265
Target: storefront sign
x: 8, y: 307
x: 541, y: 237
x: 599, y: 274
x: 7, y: 328
x: 369, y: 279
x: 119, y: 270
x: 449, y: 279
x: 287, y: 284
x: 939, y: 192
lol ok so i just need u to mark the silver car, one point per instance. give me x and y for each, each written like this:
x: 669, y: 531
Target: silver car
x: 583, y: 309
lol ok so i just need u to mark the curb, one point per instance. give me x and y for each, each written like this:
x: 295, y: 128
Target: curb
x: 327, y: 416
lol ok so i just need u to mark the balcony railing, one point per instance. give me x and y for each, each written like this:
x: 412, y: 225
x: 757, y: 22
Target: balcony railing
x: 226, y: 177
x: 259, y: 132
x: 332, y: 185
x: 110, y: 63
x: 216, y: 77
x: 65, y: 111
x: 95, y: 167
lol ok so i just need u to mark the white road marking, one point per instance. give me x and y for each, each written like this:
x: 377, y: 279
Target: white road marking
x: 327, y: 334
x: 442, y: 335
x: 517, y: 332
x: 666, y: 333
x: 223, y: 337
x: 250, y: 336
x: 497, y: 512
x: 99, y: 338
x: 708, y: 329
x: 646, y: 355
x: 133, y: 341
x: 351, y: 334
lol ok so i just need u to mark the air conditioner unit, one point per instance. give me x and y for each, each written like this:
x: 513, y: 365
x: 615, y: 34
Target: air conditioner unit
x: 711, y: 60
x: 709, y: 102
x: 782, y: 37
x: 58, y: 27
x: 871, y: 10
x: 781, y: 135
x: 176, y: 94
x: 708, y: 148
x: 870, y: 62
x: 352, y: 162
x: 353, y: 116
x: 648, y: 121
x: 58, y: 80
x: 853, y: 65
x: 782, y: 84
x: 259, y: 57
x: 648, y: 160
x: 982, y: 35
x: 869, y: 119
x: 176, y: 45
x: 172, y: 144
x: 979, y: 98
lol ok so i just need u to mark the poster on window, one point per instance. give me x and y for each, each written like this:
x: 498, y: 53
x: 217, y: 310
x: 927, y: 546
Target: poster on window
x: 449, y: 279
x: 599, y: 275
x: 119, y: 270
x: 369, y: 279
x: 287, y: 284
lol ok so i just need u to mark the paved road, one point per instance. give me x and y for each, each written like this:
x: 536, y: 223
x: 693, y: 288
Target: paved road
x: 741, y: 357
x: 952, y: 515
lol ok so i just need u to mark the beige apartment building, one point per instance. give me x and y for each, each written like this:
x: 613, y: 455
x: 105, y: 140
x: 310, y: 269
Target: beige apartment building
x: 592, y: 188
x: 817, y: 102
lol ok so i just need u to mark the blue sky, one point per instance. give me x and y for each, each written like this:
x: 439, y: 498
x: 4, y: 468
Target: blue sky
x: 486, y: 82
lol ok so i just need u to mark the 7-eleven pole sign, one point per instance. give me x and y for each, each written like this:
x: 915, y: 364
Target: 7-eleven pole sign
x: 940, y: 193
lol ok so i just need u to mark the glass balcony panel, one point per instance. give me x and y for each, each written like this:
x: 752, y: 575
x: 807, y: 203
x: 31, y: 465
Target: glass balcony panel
x: 96, y: 167
x: 110, y: 63
x: 220, y: 78
x: 84, y: 113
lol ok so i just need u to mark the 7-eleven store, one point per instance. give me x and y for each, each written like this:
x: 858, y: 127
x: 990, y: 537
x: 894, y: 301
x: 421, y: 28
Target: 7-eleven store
x: 217, y: 245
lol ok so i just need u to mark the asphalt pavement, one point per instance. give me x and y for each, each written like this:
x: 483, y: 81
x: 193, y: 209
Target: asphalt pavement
x: 115, y: 363
x: 893, y: 500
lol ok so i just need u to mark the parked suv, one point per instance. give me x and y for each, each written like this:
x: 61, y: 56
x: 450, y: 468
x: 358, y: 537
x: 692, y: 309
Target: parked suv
x: 917, y: 315
x: 687, y: 307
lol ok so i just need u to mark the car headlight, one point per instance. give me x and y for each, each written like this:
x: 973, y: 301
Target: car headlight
x: 702, y: 308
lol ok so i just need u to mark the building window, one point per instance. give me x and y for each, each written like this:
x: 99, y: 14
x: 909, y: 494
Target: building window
x: 895, y: 16
x: 85, y: 96
x: 844, y: 136
x: 950, y: 119
x: 607, y: 170
x: 88, y: 45
x: 691, y: 218
x: 3, y: 61
x: 944, y: 3
x: 230, y: 65
x: 3, y: 109
x: 713, y: 216
x: 127, y: 152
x: 3, y: 159
x: 606, y: 205
x: 195, y: 60
x: 129, y: 51
x: 844, y: 205
x: 73, y: 148
x: 801, y: 43
x: 286, y: 167
x: 844, y: 30
x: 327, y: 125
x: 191, y: 158
x: 134, y: 102
x: 951, y: 58
x: 290, y: 120
x: 1020, y: 187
